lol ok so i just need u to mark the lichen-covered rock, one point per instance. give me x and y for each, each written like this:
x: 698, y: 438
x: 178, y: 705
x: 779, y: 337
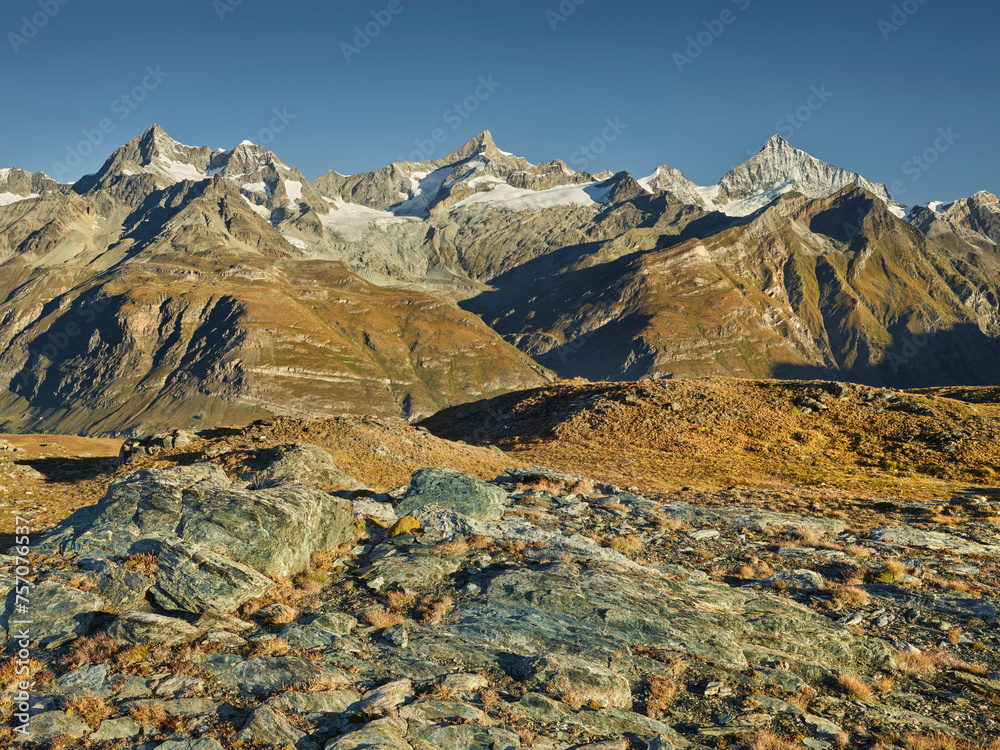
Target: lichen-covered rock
x: 795, y: 580
x: 300, y: 463
x: 215, y: 542
x: 586, y: 681
x: 265, y: 674
x: 382, y: 734
x: 146, y: 627
x: 459, y: 492
x: 270, y: 727
x: 56, y: 611
x: 385, y: 698
x: 47, y: 726
x: 191, y: 578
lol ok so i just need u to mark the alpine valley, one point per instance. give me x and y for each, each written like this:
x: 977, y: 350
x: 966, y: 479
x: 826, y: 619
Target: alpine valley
x: 186, y: 286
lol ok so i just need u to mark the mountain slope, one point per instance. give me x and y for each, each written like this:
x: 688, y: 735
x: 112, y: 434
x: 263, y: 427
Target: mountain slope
x: 837, y: 286
x: 145, y: 302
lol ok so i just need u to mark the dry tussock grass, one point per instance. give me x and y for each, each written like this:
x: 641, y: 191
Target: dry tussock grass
x: 380, y: 618
x: 90, y: 650
x: 766, y: 740
x: 92, y: 710
x: 271, y: 647
x: 453, y: 547
x: 144, y: 563
x: 662, y: 691
x: 434, y: 608
x: 941, y: 741
x: 150, y: 715
x: 854, y: 687
x: 851, y: 596
x: 628, y: 545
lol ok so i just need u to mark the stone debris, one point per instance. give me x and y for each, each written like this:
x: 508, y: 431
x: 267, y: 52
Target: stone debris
x: 539, y: 610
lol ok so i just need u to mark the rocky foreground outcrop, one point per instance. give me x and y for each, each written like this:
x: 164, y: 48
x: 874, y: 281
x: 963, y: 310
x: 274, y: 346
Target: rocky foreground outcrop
x: 190, y: 611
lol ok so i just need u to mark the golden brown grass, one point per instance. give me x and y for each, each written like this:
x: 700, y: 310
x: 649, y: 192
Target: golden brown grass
x: 917, y: 663
x: 283, y: 617
x: 896, y: 567
x: 851, y: 596
x: 767, y: 740
x: 628, y: 545
x: 941, y: 741
x: 271, y: 647
x: 144, y: 563
x: 89, y: 708
x: 453, y: 547
x: 434, y: 608
x: 400, y: 601
x: 854, y: 687
x: 86, y: 650
x: 662, y: 691
x: 380, y: 619
x: 850, y: 447
x: 149, y: 714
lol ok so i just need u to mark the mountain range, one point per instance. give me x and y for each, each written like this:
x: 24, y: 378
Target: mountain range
x: 183, y: 285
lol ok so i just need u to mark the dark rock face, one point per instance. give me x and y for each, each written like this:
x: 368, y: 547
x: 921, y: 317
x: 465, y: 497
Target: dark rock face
x: 154, y: 444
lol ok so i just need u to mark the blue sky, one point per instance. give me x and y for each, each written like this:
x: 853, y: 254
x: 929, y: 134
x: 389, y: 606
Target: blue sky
x: 698, y: 86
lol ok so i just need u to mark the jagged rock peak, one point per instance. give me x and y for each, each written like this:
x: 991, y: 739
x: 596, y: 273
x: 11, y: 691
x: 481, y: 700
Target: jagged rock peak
x: 483, y: 144
x: 780, y: 166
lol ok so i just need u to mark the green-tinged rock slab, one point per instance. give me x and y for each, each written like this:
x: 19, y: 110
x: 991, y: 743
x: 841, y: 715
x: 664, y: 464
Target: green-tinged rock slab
x: 320, y: 632
x: 47, y: 726
x: 270, y: 727
x: 146, y: 627
x: 588, y: 682
x: 382, y: 734
x: 440, y: 710
x: 386, y: 698
x: 203, y: 743
x: 216, y: 542
x: 465, y: 737
x: 117, y: 729
x: 90, y: 680
x: 268, y: 674
x: 324, y: 701
x: 301, y: 463
x: 56, y: 611
x: 462, y: 493
x: 194, y: 579
x: 606, y: 722
x: 909, y: 537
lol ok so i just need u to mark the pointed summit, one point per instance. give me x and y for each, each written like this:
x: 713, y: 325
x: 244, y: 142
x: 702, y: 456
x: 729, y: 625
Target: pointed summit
x: 777, y: 143
x: 778, y: 168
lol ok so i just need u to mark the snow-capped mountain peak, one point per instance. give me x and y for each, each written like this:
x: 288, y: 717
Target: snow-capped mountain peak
x: 778, y: 168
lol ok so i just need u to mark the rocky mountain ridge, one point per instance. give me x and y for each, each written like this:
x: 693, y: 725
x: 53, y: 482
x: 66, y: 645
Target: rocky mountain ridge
x: 602, y: 275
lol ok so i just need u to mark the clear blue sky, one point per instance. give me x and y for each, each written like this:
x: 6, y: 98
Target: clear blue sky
x: 225, y: 76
